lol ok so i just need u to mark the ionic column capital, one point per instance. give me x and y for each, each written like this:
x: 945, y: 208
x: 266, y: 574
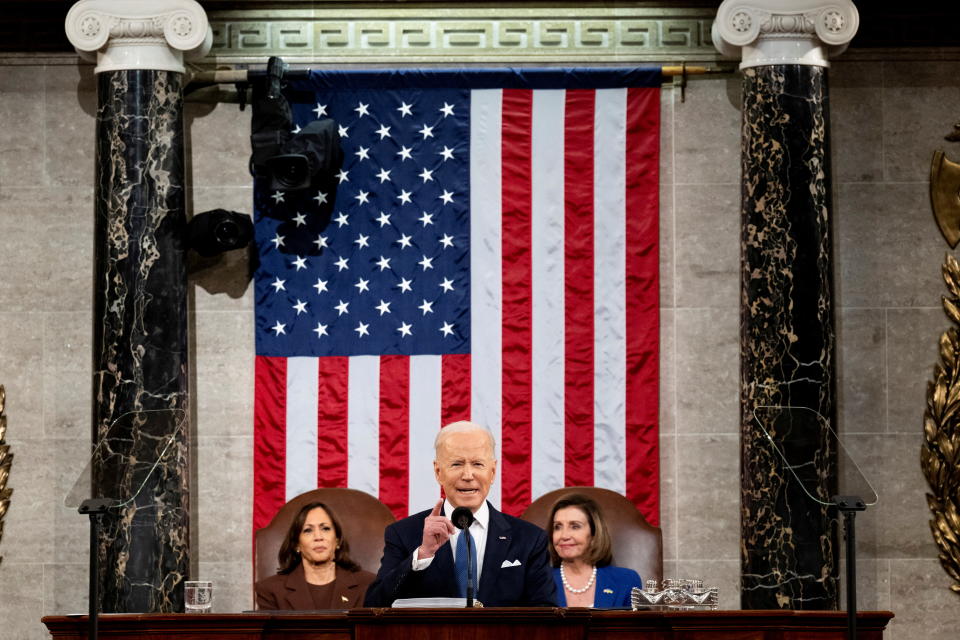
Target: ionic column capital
x: 768, y: 32
x: 133, y: 34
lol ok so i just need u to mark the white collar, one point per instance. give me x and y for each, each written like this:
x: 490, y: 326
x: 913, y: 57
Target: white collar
x: 481, y: 516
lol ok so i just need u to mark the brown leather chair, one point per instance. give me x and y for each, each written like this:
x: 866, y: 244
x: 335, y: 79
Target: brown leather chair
x: 637, y: 544
x: 362, y: 517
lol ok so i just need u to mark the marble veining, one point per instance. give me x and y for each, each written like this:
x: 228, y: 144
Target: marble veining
x: 788, y: 538
x: 140, y: 341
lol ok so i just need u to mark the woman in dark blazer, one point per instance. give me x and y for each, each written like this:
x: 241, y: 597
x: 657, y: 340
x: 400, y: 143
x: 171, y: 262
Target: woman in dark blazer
x: 316, y: 571
x: 581, y: 553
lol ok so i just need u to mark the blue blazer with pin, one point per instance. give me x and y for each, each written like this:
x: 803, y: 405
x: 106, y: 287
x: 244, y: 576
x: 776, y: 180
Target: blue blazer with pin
x: 613, y: 587
x: 509, y: 540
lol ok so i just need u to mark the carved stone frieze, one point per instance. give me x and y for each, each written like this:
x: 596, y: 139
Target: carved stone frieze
x: 413, y: 33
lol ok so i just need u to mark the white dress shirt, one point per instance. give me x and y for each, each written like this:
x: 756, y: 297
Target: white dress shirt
x: 478, y: 531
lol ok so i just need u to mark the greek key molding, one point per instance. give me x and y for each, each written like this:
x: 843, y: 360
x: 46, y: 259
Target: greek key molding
x: 414, y: 34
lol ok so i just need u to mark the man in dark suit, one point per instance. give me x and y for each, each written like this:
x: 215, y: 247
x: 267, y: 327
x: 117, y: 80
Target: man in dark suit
x: 423, y: 552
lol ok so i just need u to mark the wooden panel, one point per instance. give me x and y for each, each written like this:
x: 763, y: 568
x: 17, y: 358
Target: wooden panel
x: 480, y: 624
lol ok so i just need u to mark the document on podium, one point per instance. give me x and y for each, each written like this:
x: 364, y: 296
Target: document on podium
x: 433, y: 603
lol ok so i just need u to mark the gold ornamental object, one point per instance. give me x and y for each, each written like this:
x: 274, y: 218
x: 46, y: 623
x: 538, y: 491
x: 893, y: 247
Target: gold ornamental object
x: 6, y: 459
x: 940, y: 453
x: 945, y: 196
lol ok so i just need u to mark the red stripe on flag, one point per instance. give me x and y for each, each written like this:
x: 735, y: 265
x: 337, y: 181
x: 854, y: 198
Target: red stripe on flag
x: 578, y: 288
x: 394, y: 430
x: 643, y: 299
x: 455, y: 387
x: 517, y: 294
x: 269, y: 454
x: 332, y: 408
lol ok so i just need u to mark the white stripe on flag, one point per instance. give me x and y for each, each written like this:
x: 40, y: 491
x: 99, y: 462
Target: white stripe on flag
x: 485, y: 265
x: 301, y: 422
x: 425, y: 410
x: 363, y: 424
x: 547, y: 306
x: 610, y: 290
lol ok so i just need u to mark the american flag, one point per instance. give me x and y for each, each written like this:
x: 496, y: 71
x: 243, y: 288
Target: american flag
x: 491, y: 255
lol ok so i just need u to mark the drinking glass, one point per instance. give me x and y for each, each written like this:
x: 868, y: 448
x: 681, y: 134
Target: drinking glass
x: 198, y: 596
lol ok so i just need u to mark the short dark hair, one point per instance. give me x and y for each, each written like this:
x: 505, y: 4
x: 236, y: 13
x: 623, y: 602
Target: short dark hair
x: 600, y: 552
x: 288, y: 556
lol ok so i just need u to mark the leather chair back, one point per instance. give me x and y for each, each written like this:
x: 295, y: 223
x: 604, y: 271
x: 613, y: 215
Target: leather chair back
x: 362, y: 517
x: 637, y: 544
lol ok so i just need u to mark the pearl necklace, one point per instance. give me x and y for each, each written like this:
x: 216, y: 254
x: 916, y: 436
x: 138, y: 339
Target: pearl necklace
x: 566, y: 585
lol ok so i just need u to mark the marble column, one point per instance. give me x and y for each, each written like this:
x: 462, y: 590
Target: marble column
x: 789, y: 534
x: 141, y: 396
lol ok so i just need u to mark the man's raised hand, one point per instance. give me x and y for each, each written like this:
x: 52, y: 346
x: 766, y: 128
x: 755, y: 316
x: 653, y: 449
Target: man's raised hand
x: 437, y: 529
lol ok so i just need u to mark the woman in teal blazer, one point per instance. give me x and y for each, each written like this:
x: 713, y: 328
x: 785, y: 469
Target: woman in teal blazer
x: 581, y: 554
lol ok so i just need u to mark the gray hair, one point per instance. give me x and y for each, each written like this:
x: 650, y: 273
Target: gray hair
x: 461, y: 427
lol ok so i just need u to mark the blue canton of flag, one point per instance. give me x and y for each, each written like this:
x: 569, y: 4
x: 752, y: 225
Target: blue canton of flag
x: 388, y: 273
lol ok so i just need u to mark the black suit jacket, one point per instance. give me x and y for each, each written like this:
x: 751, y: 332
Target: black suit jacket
x: 291, y: 592
x: 516, y: 567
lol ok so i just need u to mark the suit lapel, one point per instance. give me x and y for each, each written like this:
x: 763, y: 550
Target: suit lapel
x: 601, y: 599
x: 346, y: 590
x: 498, y: 543
x: 298, y: 593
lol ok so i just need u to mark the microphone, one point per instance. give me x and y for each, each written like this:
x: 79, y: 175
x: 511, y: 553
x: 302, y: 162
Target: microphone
x: 462, y: 518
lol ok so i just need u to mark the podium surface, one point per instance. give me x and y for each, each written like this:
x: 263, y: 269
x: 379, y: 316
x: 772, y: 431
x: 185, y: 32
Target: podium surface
x: 479, y: 624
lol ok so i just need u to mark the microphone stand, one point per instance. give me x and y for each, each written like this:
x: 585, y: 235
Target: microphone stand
x: 466, y: 532
x: 848, y: 506
x: 462, y: 518
x: 96, y: 508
